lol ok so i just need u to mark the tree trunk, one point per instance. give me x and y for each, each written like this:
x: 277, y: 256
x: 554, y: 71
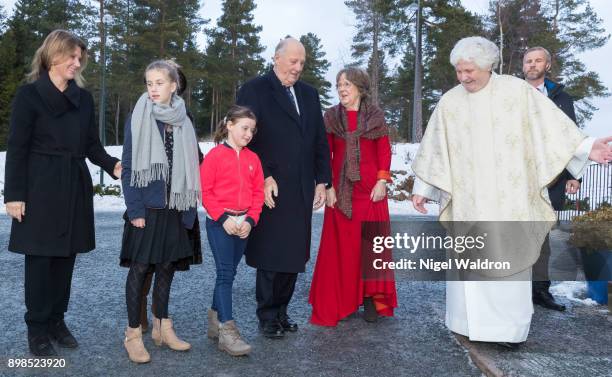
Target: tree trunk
x: 375, y: 56
x: 417, y: 111
x: 501, y: 38
x: 117, y: 120
x: 212, y: 112
x: 234, y: 65
x: 162, y: 27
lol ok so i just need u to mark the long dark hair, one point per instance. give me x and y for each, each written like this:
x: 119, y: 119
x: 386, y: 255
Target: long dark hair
x: 233, y: 115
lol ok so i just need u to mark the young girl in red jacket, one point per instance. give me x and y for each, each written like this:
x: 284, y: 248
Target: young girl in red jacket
x: 232, y: 194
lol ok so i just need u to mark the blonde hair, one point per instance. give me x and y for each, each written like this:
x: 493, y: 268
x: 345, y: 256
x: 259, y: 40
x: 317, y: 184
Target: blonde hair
x: 59, y: 43
x: 171, y: 69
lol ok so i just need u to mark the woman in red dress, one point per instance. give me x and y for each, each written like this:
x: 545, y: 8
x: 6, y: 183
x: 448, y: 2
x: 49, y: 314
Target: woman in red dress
x: 361, y: 158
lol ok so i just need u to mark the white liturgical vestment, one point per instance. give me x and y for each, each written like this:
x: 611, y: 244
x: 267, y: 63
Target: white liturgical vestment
x: 489, y: 156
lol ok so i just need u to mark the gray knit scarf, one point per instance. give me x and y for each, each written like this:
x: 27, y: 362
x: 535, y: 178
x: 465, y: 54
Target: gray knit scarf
x: 149, y: 161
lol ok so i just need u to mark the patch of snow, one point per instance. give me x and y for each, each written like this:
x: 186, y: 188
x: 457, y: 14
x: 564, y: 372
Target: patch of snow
x: 574, y: 291
x: 402, y: 156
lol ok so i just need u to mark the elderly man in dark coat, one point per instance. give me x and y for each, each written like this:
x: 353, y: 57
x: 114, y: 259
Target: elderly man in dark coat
x: 292, y: 146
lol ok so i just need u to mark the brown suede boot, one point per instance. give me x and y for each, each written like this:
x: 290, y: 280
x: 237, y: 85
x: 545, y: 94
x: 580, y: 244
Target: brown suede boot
x: 135, y: 347
x: 163, y: 333
x: 230, y: 340
x: 213, y: 324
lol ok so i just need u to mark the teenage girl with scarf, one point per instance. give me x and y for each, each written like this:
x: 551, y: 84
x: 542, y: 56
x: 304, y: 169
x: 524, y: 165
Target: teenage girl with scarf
x: 161, y: 185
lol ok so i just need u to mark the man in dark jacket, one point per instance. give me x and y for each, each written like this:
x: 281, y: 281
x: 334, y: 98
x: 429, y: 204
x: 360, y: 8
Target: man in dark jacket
x: 536, y: 62
x: 292, y: 146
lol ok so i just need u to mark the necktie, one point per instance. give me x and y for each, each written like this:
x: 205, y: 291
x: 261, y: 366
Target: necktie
x: 292, y: 98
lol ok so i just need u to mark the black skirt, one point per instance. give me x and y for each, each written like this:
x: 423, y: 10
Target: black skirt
x: 163, y: 239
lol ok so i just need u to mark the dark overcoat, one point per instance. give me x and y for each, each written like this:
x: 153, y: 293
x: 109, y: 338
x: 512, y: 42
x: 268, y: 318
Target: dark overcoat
x: 293, y: 150
x: 564, y: 101
x: 51, y: 134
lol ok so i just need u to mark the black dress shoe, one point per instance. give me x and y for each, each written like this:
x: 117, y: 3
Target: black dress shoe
x: 287, y: 324
x: 546, y: 300
x: 61, y: 334
x: 271, y: 329
x: 40, y: 346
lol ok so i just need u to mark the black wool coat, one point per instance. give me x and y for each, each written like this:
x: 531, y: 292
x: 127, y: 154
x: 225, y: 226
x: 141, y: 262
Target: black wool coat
x: 564, y: 101
x: 293, y: 150
x: 51, y: 133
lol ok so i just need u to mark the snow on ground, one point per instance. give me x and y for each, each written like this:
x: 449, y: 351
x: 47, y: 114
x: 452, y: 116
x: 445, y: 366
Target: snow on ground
x: 403, y: 154
x: 575, y: 291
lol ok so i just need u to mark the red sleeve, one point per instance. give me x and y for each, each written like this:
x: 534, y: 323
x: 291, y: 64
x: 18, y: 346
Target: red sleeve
x: 257, y: 189
x: 207, y: 179
x: 383, y: 150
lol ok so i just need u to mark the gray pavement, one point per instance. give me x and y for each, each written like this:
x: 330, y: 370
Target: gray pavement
x: 413, y: 343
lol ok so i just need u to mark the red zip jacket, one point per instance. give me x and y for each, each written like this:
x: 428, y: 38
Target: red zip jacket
x: 232, y: 182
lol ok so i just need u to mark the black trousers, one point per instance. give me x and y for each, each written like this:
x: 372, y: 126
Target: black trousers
x: 47, y: 290
x: 541, y: 280
x: 273, y: 291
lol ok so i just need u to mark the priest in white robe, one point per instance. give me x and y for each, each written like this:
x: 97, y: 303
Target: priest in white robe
x: 491, y: 147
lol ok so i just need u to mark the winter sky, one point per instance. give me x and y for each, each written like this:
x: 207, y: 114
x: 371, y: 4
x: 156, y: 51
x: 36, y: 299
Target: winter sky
x: 334, y: 24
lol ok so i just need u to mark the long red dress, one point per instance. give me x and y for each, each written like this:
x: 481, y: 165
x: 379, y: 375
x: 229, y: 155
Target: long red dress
x: 337, y: 288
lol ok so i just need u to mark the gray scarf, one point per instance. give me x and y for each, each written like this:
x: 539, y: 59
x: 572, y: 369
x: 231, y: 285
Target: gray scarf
x: 149, y: 161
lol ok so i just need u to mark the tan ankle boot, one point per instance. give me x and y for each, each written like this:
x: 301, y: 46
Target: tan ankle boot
x: 213, y: 324
x: 230, y: 340
x: 163, y: 333
x: 134, y: 345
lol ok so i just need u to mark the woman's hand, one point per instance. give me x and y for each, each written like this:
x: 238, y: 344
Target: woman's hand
x: 230, y: 226
x: 117, y: 170
x: 138, y: 223
x: 379, y: 191
x: 330, y: 198
x: 16, y: 210
x: 244, y: 230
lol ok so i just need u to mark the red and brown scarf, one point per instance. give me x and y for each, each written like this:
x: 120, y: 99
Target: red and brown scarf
x: 371, y: 125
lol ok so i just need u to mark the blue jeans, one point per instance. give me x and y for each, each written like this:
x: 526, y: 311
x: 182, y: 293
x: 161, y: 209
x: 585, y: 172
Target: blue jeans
x: 227, y: 251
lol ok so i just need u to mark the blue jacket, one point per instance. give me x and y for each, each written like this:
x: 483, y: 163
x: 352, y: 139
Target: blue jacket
x: 151, y: 196
x: 564, y: 101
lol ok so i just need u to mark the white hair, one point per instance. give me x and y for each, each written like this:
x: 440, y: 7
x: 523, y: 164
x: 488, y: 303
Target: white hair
x: 282, y: 45
x: 477, y: 50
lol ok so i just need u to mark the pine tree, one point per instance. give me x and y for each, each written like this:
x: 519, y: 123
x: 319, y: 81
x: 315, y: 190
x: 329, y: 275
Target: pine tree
x: 168, y: 32
x: 579, y: 28
x: 402, y: 93
x: 375, y: 33
x: 565, y: 28
x: 25, y: 30
x: 2, y: 19
x: 446, y: 22
x: 316, y: 67
x: 232, y: 56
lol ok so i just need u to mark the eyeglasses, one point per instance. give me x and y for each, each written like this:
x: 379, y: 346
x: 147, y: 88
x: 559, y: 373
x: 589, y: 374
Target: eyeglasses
x: 344, y: 85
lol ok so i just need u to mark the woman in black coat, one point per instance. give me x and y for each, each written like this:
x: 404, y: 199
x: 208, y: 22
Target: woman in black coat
x: 48, y: 189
